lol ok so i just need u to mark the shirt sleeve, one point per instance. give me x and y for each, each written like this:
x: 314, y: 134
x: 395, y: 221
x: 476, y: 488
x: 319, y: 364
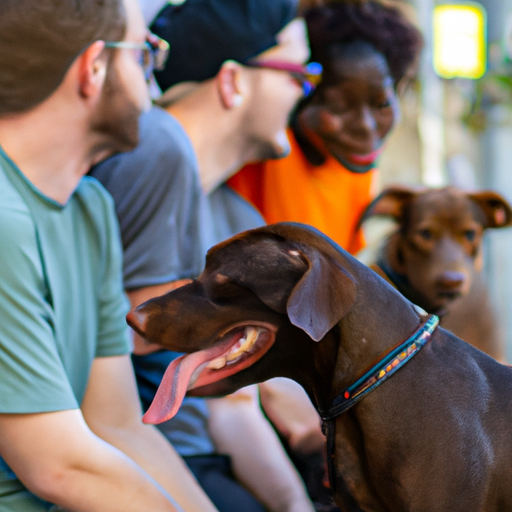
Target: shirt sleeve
x: 32, y: 376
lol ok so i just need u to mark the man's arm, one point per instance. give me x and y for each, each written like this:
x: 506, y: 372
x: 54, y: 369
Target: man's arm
x: 290, y: 410
x: 112, y: 411
x: 59, y: 459
x: 239, y: 429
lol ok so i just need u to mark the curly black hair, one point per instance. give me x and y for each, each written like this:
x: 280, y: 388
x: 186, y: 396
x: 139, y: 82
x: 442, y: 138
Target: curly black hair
x: 384, y: 27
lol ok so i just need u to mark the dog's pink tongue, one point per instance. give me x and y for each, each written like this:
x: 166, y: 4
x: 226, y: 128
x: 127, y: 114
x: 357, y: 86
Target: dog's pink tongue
x: 173, y: 387
x: 174, y: 384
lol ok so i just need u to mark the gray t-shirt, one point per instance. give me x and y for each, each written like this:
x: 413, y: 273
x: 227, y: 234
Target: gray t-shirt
x: 167, y: 225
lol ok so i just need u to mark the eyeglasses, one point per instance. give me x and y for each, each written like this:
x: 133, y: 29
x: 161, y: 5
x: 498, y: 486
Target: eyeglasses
x: 151, y: 54
x: 308, y: 76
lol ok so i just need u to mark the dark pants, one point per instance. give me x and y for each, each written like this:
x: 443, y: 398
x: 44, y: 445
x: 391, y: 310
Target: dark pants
x: 215, y: 476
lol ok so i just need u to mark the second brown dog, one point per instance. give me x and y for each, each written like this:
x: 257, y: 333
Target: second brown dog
x: 434, y: 258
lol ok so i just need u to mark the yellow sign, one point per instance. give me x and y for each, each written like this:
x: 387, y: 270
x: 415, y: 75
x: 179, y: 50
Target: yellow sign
x: 460, y: 40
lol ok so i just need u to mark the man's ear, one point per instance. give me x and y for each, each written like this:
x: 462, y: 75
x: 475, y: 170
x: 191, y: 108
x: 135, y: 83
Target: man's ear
x: 91, y: 69
x: 228, y: 81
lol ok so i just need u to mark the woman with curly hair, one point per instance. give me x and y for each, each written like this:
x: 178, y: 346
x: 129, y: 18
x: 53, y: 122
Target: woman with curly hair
x: 337, y: 133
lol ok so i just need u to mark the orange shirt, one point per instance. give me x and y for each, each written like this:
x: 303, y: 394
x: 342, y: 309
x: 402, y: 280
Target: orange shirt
x: 329, y: 197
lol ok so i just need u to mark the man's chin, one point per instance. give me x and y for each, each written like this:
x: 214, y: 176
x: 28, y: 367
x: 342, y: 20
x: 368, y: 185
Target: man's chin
x: 278, y: 148
x: 129, y: 141
x: 115, y: 145
x: 282, y: 145
x: 116, y: 120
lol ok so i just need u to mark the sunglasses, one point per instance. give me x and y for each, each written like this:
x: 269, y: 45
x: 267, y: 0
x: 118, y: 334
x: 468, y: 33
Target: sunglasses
x: 151, y: 54
x: 308, y: 76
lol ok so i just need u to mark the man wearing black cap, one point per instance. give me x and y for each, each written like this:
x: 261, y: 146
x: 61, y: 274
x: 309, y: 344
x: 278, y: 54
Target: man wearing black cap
x: 173, y: 204
x: 229, y: 29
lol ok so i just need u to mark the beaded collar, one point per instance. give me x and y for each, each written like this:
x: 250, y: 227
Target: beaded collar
x: 386, y: 367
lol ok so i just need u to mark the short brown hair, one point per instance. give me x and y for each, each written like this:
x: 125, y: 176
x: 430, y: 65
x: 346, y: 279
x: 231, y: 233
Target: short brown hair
x: 39, y: 39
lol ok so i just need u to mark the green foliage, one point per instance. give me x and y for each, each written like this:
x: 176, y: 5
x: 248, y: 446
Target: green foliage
x: 494, y: 88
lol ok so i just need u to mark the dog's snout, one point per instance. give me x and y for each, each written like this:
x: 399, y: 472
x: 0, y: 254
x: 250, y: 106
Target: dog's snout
x: 137, y: 321
x: 452, y: 284
x: 451, y: 280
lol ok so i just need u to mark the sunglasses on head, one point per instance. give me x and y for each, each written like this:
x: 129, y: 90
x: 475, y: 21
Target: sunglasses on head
x: 151, y: 54
x: 308, y: 76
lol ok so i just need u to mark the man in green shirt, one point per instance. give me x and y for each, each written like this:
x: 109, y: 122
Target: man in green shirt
x: 71, y: 91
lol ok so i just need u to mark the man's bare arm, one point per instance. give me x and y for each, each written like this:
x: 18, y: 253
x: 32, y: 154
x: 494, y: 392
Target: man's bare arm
x: 291, y: 412
x: 112, y: 411
x: 239, y: 429
x: 59, y: 459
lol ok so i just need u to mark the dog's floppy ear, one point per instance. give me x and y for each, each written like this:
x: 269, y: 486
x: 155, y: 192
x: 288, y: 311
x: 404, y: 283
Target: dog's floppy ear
x: 389, y: 203
x: 322, y: 297
x: 497, y: 210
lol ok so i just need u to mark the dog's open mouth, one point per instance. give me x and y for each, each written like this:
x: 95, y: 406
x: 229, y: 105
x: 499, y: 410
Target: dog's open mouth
x: 239, y: 348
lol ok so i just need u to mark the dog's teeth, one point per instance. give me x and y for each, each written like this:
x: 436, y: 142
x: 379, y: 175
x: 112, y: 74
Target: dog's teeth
x: 241, y: 346
x: 250, y: 337
x: 244, y: 344
x: 217, y: 364
x: 233, y: 355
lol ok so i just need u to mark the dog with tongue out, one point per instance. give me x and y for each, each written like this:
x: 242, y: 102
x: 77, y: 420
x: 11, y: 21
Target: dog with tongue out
x: 401, y: 399
x: 228, y: 318
x: 201, y: 368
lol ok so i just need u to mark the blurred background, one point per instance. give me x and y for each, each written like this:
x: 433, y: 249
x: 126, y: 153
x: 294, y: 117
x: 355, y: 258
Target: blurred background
x: 456, y: 125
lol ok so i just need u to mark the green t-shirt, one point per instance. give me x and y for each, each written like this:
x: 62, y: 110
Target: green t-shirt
x: 61, y: 300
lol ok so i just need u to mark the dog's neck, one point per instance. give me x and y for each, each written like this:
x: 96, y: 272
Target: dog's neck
x: 364, y: 342
x: 379, y: 320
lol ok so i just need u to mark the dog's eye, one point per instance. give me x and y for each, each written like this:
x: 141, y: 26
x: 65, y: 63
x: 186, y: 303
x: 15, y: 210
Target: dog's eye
x: 426, y: 234
x: 470, y: 235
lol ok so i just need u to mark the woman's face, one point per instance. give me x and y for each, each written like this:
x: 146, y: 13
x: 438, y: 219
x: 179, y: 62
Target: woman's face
x: 355, y: 107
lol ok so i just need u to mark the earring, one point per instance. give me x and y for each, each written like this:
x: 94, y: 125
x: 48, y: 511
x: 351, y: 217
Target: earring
x: 238, y: 99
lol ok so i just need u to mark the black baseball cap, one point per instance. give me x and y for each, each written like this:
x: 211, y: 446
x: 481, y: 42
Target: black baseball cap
x: 203, y: 34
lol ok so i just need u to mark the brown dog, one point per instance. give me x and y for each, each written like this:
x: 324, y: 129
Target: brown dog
x: 284, y: 300
x: 434, y: 257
